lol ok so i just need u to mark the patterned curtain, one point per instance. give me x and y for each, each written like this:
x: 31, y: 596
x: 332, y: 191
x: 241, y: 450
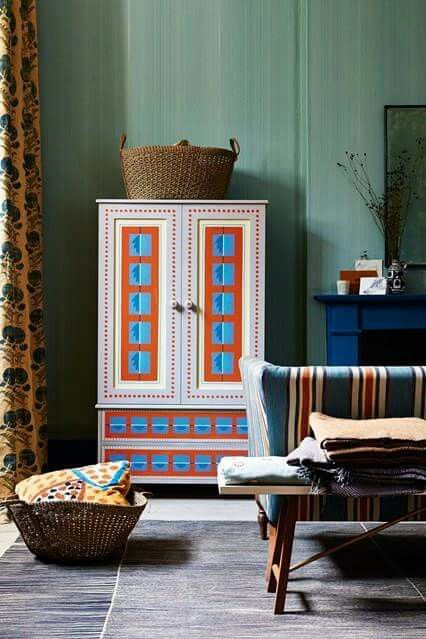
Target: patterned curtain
x: 22, y: 355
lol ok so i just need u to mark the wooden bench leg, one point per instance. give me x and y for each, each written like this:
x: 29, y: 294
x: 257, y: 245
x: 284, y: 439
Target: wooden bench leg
x: 281, y: 571
x: 262, y: 520
x: 275, y: 547
x: 272, y: 531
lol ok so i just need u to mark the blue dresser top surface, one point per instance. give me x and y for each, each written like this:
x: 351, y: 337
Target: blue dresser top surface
x: 403, y: 298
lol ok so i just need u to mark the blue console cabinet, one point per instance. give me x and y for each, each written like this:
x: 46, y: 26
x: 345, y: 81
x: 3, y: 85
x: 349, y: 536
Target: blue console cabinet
x: 381, y: 329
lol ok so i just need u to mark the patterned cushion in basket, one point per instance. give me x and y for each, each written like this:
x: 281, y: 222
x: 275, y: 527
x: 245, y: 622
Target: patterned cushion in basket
x: 106, y: 483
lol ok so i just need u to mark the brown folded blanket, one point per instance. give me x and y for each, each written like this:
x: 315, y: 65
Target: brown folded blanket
x: 370, y: 455
x: 335, y: 432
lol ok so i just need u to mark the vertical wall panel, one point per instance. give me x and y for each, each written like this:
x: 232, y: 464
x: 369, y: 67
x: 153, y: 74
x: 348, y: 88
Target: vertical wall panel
x: 362, y: 55
x: 298, y: 82
x: 162, y: 70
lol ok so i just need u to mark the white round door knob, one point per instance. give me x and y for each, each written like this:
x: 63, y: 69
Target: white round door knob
x: 189, y: 305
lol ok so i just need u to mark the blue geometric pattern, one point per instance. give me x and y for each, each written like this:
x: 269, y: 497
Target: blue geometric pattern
x: 160, y: 425
x: 139, y: 462
x: 203, y: 463
x: 223, y: 303
x: 242, y: 426
x: 117, y: 425
x: 202, y: 425
x: 181, y: 463
x: 115, y: 457
x: 138, y: 425
x: 140, y: 245
x: 140, y: 274
x: 140, y: 303
x: 160, y: 463
x: 139, y: 332
x: 223, y: 274
x: 222, y: 363
x: 223, y: 245
x: 223, y: 425
x: 181, y: 425
x: 223, y: 333
x: 139, y: 362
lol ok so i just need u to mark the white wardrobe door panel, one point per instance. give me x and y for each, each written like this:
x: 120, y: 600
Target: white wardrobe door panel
x: 223, y: 284
x: 139, y: 303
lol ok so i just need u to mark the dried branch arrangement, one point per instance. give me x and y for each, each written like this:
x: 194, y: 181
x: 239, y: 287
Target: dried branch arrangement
x: 390, y: 209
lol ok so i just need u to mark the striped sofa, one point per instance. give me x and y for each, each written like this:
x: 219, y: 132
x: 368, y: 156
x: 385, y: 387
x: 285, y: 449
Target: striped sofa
x: 279, y: 400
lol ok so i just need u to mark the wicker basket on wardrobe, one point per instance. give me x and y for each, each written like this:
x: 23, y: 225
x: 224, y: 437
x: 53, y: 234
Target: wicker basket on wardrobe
x: 178, y: 172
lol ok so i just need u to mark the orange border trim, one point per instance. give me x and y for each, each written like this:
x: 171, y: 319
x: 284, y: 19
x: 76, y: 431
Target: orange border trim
x: 126, y: 290
x: 170, y: 472
x: 210, y: 289
x: 169, y: 415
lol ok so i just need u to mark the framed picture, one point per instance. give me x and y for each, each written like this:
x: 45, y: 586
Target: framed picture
x: 369, y: 265
x: 354, y: 278
x: 404, y: 126
x: 372, y: 286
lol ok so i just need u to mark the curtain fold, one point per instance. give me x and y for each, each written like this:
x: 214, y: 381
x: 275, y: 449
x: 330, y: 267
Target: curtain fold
x: 23, y: 430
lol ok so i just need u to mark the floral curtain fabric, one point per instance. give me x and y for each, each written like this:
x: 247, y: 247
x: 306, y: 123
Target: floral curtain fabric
x: 22, y: 354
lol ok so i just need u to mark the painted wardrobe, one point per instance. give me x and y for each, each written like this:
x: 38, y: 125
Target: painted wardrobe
x: 181, y: 299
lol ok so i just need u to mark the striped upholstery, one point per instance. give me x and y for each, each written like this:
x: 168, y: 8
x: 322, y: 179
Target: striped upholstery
x: 279, y: 400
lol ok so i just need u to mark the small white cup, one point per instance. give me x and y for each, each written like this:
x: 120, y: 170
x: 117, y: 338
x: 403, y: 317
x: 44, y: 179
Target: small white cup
x: 342, y: 287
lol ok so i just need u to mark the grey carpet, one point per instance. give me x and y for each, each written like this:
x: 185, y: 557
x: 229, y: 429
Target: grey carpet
x: 204, y: 580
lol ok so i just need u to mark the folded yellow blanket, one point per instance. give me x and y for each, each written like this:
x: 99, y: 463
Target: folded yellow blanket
x: 337, y: 433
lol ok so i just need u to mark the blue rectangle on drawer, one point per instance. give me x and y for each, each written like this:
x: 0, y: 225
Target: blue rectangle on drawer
x: 203, y: 463
x: 139, y: 462
x: 181, y: 425
x: 117, y: 424
x: 138, y: 425
x: 181, y: 463
x: 117, y: 457
x: 202, y: 425
x: 160, y: 425
x: 242, y: 428
x: 160, y: 463
x: 223, y: 425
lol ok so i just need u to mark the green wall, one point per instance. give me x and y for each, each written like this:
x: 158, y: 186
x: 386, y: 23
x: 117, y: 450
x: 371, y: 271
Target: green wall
x: 297, y: 82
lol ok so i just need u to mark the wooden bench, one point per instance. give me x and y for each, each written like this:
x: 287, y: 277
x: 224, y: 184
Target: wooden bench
x: 281, y: 536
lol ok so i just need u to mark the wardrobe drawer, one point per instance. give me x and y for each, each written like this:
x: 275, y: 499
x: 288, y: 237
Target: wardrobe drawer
x: 173, y: 424
x: 154, y: 464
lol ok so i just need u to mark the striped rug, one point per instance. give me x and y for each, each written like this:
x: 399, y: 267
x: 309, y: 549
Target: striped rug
x: 41, y: 600
x: 204, y: 580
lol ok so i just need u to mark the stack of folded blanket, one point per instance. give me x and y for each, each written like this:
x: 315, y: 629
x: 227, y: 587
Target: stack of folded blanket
x: 363, y: 457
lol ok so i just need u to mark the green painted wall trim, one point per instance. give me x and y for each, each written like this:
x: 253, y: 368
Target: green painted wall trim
x: 297, y: 82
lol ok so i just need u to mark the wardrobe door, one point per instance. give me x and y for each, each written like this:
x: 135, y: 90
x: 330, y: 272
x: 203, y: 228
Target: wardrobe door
x: 139, y: 311
x: 223, y: 287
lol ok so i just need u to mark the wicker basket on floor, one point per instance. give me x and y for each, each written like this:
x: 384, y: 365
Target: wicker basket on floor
x: 178, y: 172
x: 76, y: 531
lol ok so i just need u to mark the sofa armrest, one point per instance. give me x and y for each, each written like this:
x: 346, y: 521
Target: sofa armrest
x: 251, y: 373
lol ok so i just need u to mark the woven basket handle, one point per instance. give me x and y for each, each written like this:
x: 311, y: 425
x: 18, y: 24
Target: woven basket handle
x: 235, y: 146
x: 11, y: 501
x: 122, y: 140
x: 182, y: 143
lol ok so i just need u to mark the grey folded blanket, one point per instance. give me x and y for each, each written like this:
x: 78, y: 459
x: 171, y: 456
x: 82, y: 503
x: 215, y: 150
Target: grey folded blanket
x: 352, y: 479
